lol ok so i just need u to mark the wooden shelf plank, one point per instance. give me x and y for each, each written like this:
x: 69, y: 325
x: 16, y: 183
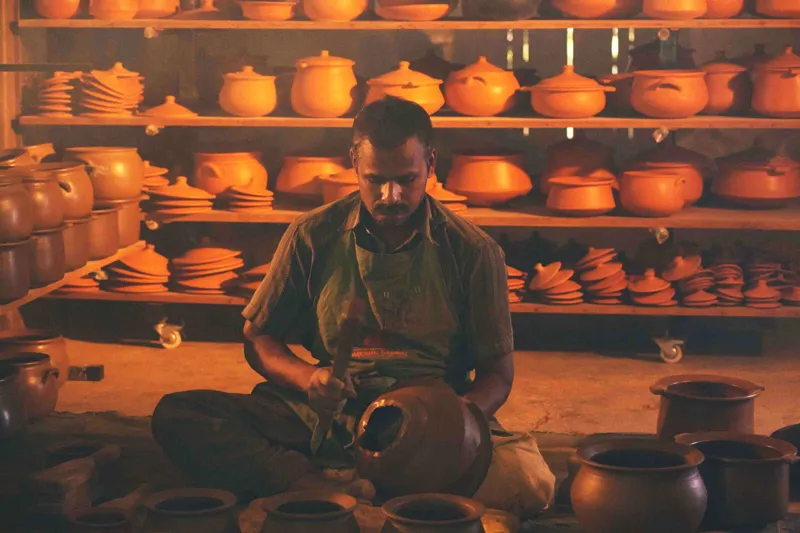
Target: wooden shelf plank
x: 383, y: 25
x: 90, y: 267
x: 444, y: 122
x: 159, y: 298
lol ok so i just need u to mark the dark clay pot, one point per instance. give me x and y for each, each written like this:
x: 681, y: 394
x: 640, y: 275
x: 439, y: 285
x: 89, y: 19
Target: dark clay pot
x: 433, y: 513
x: 190, y: 511
x: 16, y: 210
x: 76, y: 243
x: 500, y: 9
x: 48, y: 203
x: 791, y: 434
x: 100, y: 520
x: 103, y: 233
x: 129, y: 219
x: 39, y: 380
x: 49, y: 343
x: 15, y: 270
x: 313, y: 510
x: 76, y: 187
x: 48, y: 262
x: 13, y: 416
x: 116, y: 172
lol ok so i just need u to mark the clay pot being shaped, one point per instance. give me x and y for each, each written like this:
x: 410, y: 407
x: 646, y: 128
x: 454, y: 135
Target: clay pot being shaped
x: 16, y: 210
x: 619, y: 477
x: 778, y: 8
x: 581, y: 197
x: 729, y: 87
x: 13, y: 417
x: 15, y: 158
x: 577, y: 157
x: 337, y: 186
x: 673, y: 159
x: 669, y: 93
x: 15, y: 264
x: 334, y: 10
x: 104, y: 233
x: 155, y: 9
x: 651, y: 194
x: 298, y: 176
x: 129, y: 220
x: 440, y: 513
x: 568, y: 95
x: 46, y: 198
x: 215, y: 173
x: 102, y: 519
x: 185, y: 510
x: 76, y: 187
x: 619, y: 101
x: 723, y: 9
x: 116, y: 172
x: 312, y: 510
x: 48, y: 260
x: 408, y: 85
x: 76, y: 243
x: 335, y: 74
x: 777, y: 86
x: 57, y: 9
x: 757, y: 177
x: 40, y: 152
x: 488, y: 179
x: 113, y: 9
x: 39, y: 382
x: 248, y: 94
x: 500, y: 9
x: 598, y: 9
x: 675, y: 9
x: 694, y: 403
x: 481, y: 90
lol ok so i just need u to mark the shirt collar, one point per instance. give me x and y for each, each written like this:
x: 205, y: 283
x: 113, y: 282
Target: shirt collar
x: 431, y: 217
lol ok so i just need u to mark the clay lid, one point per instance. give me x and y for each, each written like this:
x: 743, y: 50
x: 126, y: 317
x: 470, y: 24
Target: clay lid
x: 207, y: 269
x: 569, y: 80
x: 217, y: 281
x: 594, y: 253
x: 324, y: 59
x: 730, y: 293
x: 542, y: 275
x: 649, y: 283
x: 699, y: 297
x: 757, y: 155
x: 109, y: 81
x: 404, y: 77
x: 762, y: 291
x: 151, y: 171
x: 514, y: 272
x: 482, y: 67
x: 169, y: 109
x: 653, y: 298
x: 205, y: 255
x: 722, y: 65
x: 601, y: 272
x: 247, y: 73
x: 147, y: 262
x: 182, y: 190
x: 249, y: 192
x: 121, y: 72
x: 680, y: 268
x: 787, y: 59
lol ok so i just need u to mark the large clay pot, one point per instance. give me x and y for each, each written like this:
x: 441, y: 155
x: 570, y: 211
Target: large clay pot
x: 637, y: 484
x: 45, y: 194
x: 248, y: 94
x: 76, y: 243
x: 15, y: 265
x: 334, y: 10
x: 407, y: 84
x: 500, y: 9
x: 777, y: 86
x: 651, y: 194
x: 673, y: 159
x: 116, y: 173
x: 215, y: 173
x: 339, y: 185
x: 76, y: 187
x: 40, y: 341
x: 569, y: 95
x: 298, y: 176
x: 669, y: 93
x: 729, y: 87
x: 757, y: 177
x: 57, y: 9
x: 113, y: 9
x: 40, y: 152
x: 598, y: 9
x: 578, y: 157
x: 13, y: 417
x: 791, y: 434
x: 433, y: 513
x: 675, y: 9
x: 104, y: 233
x: 335, y: 74
x: 488, y: 179
x: 723, y: 9
x: 581, y: 197
x: 190, y: 511
x: 155, y: 9
x: 39, y: 381
x: 48, y: 262
x: 16, y: 210
x: 313, y: 510
x: 481, y: 90
x: 694, y: 403
x: 15, y: 158
x: 778, y: 8
x: 129, y: 220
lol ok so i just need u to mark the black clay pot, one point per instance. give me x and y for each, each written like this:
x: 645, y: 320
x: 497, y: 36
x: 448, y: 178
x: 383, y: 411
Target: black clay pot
x: 15, y: 270
x: 500, y: 9
x: 13, y: 416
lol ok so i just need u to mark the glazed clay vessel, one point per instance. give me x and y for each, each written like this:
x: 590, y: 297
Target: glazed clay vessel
x: 777, y: 86
x: 13, y: 416
x: 619, y: 477
x: 581, y: 197
x: 76, y: 187
x: 48, y: 259
x: 578, y: 156
x: 673, y: 159
x: 675, y: 9
x: 598, y: 9
x: 116, y: 172
x: 76, y: 243
x: 48, y: 202
x: 104, y: 233
x: 57, y: 9
x: 190, y: 511
x: 333, y: 10
x: 488, y: 179
x: 39, y: 382
x: 569, y: 95
x: 669, y: 93
x: 409, y: 85
x: 15, y: 264
x: 113, y: 9
x: 778, y: 8
x: 215, y: 173
x: 298, y: 176
x: 723, y: 9
x: 651, y: 194
x: 306, y: 511
x: 481, y: 90
x: 729, y: 87
x: 433, y: 513
x: 335, y: 74
x: 248, y: 94
x: 16, y: 210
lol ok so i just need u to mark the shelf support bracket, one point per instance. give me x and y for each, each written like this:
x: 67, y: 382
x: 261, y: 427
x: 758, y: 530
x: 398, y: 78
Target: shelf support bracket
x: 151, y: 224
x: 661, y: 234
x: 151, y: 33
x: 152, y: 130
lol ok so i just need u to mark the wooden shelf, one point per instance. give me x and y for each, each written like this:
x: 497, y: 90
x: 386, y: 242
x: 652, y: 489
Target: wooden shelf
x: 91, y: 266
x: 159, y: 298
x: 532, y: 216
x: 444, y: 122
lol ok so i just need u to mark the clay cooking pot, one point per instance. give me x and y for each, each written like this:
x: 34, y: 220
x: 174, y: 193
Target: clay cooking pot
x: 103, y: 519
x: 778, y: 8
x: 578, y: 156
x: 39, y: 382
x: 791, y: 434
x: 440, y: 513
x: 16, y: 210
x: 40, y: 341
x: 45, y: 194
x: 777, y: 86
x: 185, y: 510
x: 129, y: 220
x: 581, y: 197
x: 481, y: 89
x: 488, y: 179
x: 408, y: 85
x: 314, y: 510
x: 568, y: 95
x: 13, y: 416
x: 76, y: 243
x: 598, y: 9
x: 76, y: 187
x: 48, y: 263
x: 248, y: 94
x: 673, y: 159
x: 669, y: 93
x: 723, y: 9
x: 338, y: 185
x: 729, y: 87
x: 333, y: 10
x: 15, y: 264
x: 215, y: 173
x: 757, y: 177
x: 298, y: 176
x: 675, y: 9
x: 57, y: 9
x: 651, y: 194
x: 335, y: 74
x: 104, y: 233
x: 116, y: 172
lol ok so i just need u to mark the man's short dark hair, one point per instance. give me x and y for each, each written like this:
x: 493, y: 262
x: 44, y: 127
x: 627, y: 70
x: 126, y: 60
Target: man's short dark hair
x: 389, y: 122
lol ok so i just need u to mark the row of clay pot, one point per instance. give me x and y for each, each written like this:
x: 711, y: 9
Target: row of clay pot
x: 28, y: 390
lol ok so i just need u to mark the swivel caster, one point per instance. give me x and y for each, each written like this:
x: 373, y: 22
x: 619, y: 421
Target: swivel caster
x: 671, y: 350
x: 169, y: 335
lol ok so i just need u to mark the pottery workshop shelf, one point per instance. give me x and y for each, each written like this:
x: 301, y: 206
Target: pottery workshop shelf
x: 92, y: 266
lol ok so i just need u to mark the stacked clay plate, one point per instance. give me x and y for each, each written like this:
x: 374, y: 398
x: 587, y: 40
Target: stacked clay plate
x: 80, y: 285
x: 728, y: 284
x: 207, y: 270
x: 55, y: 95
x: 694, y: 282
x: 179, y: 198
x: 154, y: 177
x: 650, y: 290
x: 454, y: 202
x: 250, y: 280
x: 604, y: 280
x: 516, y: 284
x: 248, y: 199
x: 110, y: 93
x: 551, y: 285
x: 141, y: 272
x: 762, y: 296
x: 791, y: 296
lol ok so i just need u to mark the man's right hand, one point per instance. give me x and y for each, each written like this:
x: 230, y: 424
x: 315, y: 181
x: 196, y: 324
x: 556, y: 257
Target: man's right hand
x: 327, y: 395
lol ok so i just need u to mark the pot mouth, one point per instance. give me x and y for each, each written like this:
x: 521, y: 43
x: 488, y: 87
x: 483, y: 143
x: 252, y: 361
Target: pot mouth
x: 59, y: 229
x: 100, y: 518
x: 35, y: 336
x: 312, y: 505
x: 673, y: 73
x: 639, y: 454
x: 25, y: 359
x: 649, y: 174
x: 708, y: 388
x: 108, y: 149
x: 105, y: 210
x: 433, y: 509
x: 730, y: 447
x: 190, y: 502
x: 56, y: 167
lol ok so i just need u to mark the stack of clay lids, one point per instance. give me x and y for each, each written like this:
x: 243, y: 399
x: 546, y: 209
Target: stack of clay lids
x: 650, y: 290
x: 169, y: 108
x: 250, y: 280
x: 762, y: 296
x: 249, y: 199
x: 551, y: 285
x: 693, y: 280
x: 154, y: 177
x: 179, y: 199
x: 207, y: 270
x: 80, y: 285
x: 516, y: 284
x: 768, y: 272
x: 454, y: 202
x: 728, y: 284
x: 141, y: 272
x: 113, y: 92
x: 604, y: 281
x: 55, y: 95
x: 791, y: 296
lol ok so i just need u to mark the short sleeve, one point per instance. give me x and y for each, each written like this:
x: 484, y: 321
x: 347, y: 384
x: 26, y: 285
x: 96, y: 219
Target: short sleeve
x: 489, y: 330
x: 282, y: 298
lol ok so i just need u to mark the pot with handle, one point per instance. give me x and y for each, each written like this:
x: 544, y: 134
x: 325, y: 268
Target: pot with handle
x: 215, y: 173
x: 76, y: 187
x: 48, y: 263
x: 669, y: 93
x: 104, y: 233
x: 40, y: 341
x: 39, y: 381
x: 45, y: 195
x: 116, y: 172
x: 651, y: 194
x: 13, y: 416
x: 16, y: 210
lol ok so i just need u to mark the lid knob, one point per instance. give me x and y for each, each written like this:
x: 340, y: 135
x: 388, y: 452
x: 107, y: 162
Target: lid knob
x: 325, y: 53
x: 569, y: 68
x: 404, y: 65
x: 650, y: 273
x: 168, y: 100
x: 482, y: 59
x: 180, y: 180
x: 247, y: 69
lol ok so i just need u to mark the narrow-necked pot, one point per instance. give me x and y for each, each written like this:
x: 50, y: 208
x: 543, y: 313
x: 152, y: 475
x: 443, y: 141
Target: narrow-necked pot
x: 16, y: 210
x: 440, y: 513
x: 15, y: 264
x: 76, y: 187
x: 190, y: 510
x: 48, y: 263
x: 13, y: 417
x: 313, y: 510
x: 104, y: 233
x: 39, y: 381
x: 129, y: 219
x: 76, y: 243
x: 40, y: 341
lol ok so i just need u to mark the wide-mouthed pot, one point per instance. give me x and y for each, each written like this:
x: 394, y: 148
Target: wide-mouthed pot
x: 489, y: 179
x: 619, y: 101
x: 729, y: 87
x: 15, y: 264
x: 76, y: 243
x: 335, y: 74
x: 156, y: 9
x: 500, y: 9
x: 215, y: 173
x: 298, y: 176
x: 791, y: 434
x: 48, y: 261
x: 40, y: 152
x: 413, y: 10
x: 40, y: 341
x: 579, y: 157
x: 439, y: 513
x: 104, y: 233
x: 334, y: 10
x: 407, y: 84
x: 337, y: 186
x: 185, y: 510
x: 129, y: 220
x: 268, y: 11
x: 675, y: 9
x: 673, y: 159
x: 723, y: 9
x: 311, y: 510
x: 669, y: 93
x: 116, y: 172
x: 481, y: 90
x: 598, y: 9
x: 13, y: 417
x: 15, y: 157
x: 621, y: 477
x: 568, y: 95
x: 57, y: 9
x: 16, y: 210
x: 746, y: 476
x: 777, y: 86
x: 39, y: 381
x: 248, y: 94
x: 778, y: 8
x: 694, y: 403
x: 76, y: 187
x: 581, y: 197
x: 651, y: 193
x: 757, y: 177
x: 102, y: 519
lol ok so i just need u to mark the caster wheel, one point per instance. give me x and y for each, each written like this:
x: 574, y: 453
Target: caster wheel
x: 170, y: 339
x: 673, y: 355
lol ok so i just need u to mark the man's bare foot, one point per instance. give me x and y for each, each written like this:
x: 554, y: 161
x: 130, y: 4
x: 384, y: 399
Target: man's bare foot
x: 363, y: 489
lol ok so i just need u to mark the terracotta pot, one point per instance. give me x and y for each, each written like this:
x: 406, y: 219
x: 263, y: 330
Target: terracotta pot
x: 116, y: 173
x: 45, y: 195
x: 104, y: 233
x: 669, y: 93
x: 57, y: 9
x: 581, y: 197
x: 334, y: 10
x: 500, y: 9
x: 76, y: 243
x: 777, y: 86
x: 129, y: 220
x: 215, y: 173
x: 791, y: 434
x: 16, y: 210
x: 651, y: 194
x: 190, y: 511
x: 675, y: 9
x: 76, y: 187
x: 113, y: 9
x: 757, y: 178
x: 335, y: 74
x: 434, y: 513
x: 673, y: 159
x: 693, y: 403
x: 314, y: 510
x: 15, y: 158
x: 568, y: 95
x: 408, y: 85
x: 39, y: 380
x: 248, y: 94
x: 298, y: 176
x: 488, y: 179
x: 13, y: 417
x: 619, y: 477
x: 778, y: 8
x: 747, y: 477
x: 48, y: 262
x: 413, y: 10
x: 15, y: 265
x: 575, y: 157
x: 598, y: 9
x: 648, y: 57
x: 103, y: 519
x: 481, y: 90
x: 729, y: 87
x: 619, y: 101
x: 723, y: 9
x: 155, y: 9
x: 339, y: 185
x: 40, y: 152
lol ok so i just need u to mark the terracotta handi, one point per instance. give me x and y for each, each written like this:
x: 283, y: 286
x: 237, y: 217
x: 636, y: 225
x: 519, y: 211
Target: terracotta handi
x: 48, y: 259
x: 579, y: 157
x: 433, y: 513
x: 248, y: 94
x: 569, y: 95
x: 76, y: 187
x: 154, y: 9
x: 39, y: 382
x: 778, y: 8
x: 306, y: 511
x: 669, y: 93
x: 729, y: 87
x: 113, y: 9
x: 409, y: 85
x: 598, y: 9
x: 413, y: 10
x: 481, y: 90
x: 45, y: 193
x: 651, y: 194
x: 581, y: 197
x: 673, y: 159
x: 217, y: 172
x: 76, y: 243
x: 57, y: 9
x: 337, y: 186
x: 116, y: 172
x: 333, y: 10
x: 675, y: 9
x: 490, y: 179
x: 335, y: 74
x: 298, y: 176
x: 723, y: 9
x: 777, y: 86
x: 757, y: 177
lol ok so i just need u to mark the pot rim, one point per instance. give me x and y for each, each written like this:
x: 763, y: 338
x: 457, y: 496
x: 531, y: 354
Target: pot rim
x: 8, y: 373
x: 57, y: 167
x: 662, y: 386
x: 315, y: 158
x: 473, y: 509
x: 105, y: 211
x: 231, y: 155
x: 691, y: 456
x: 114, y: 203
x: 14, y: 245
x: 59, y: 229
x: 77, y: 149
x: 227, y: 499
x: 78, y: 221
x: 125, y: 516
x: 786, y: 449
x: 649, y: 174
x: 25, y: 359
x: 347, y: 503
x: 680, y: 73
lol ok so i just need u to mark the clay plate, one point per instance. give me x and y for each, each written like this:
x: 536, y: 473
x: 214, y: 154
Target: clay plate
x: 167, y: 204
x: 619, y: 286
x: 601, y: 272
x: 252, y: 210
x: 205, y: 255
x: 561, y: 277
x: 185, y: 210
x: 514, y: 272
x: 564, y: 288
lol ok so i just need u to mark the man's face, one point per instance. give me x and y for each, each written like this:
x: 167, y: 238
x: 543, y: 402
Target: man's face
x: 392, y: 181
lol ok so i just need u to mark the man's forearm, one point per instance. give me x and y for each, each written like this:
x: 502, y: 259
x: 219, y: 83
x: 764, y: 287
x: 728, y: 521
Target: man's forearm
x: 489, y: 392
x: 276, y: 362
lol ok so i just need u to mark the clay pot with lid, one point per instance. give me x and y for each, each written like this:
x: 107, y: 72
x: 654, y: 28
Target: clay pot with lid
x: 409, y: 85
x: 723, y: 9
x: 248, y: 94
x: 16, y: 210
x: 215, y: 173
x: 619, y: 477
x: 568, y: 95
x: 48, y: 260
x: 15, y: 158
x: 598, y: 9
x: 481, y: 90
x: 39, y: 380
x: 777, y: 86
x: 298, y: 176
x: 581, y: 197
x: 669, y: 93
x: 15, y: 264
x: 778, y: 8
x: 671, y: 158
x: 757, y: 177
x: 76, y: 243
x: 334, y: 10
x: 335, y: 74
x: 116, y: 172
x: 440, y: 513
x: 578, y: 156
x: 76, y: 187
x: 651, y: 194
x: 337, y: 186
x: 104, y: 233
x: 57, y: 9
x: 729, y: 87
x: 311, y: 510
x: 490, y: 179
x: 185, y: 510
x: 129, y: 220
x: 675, y: 9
